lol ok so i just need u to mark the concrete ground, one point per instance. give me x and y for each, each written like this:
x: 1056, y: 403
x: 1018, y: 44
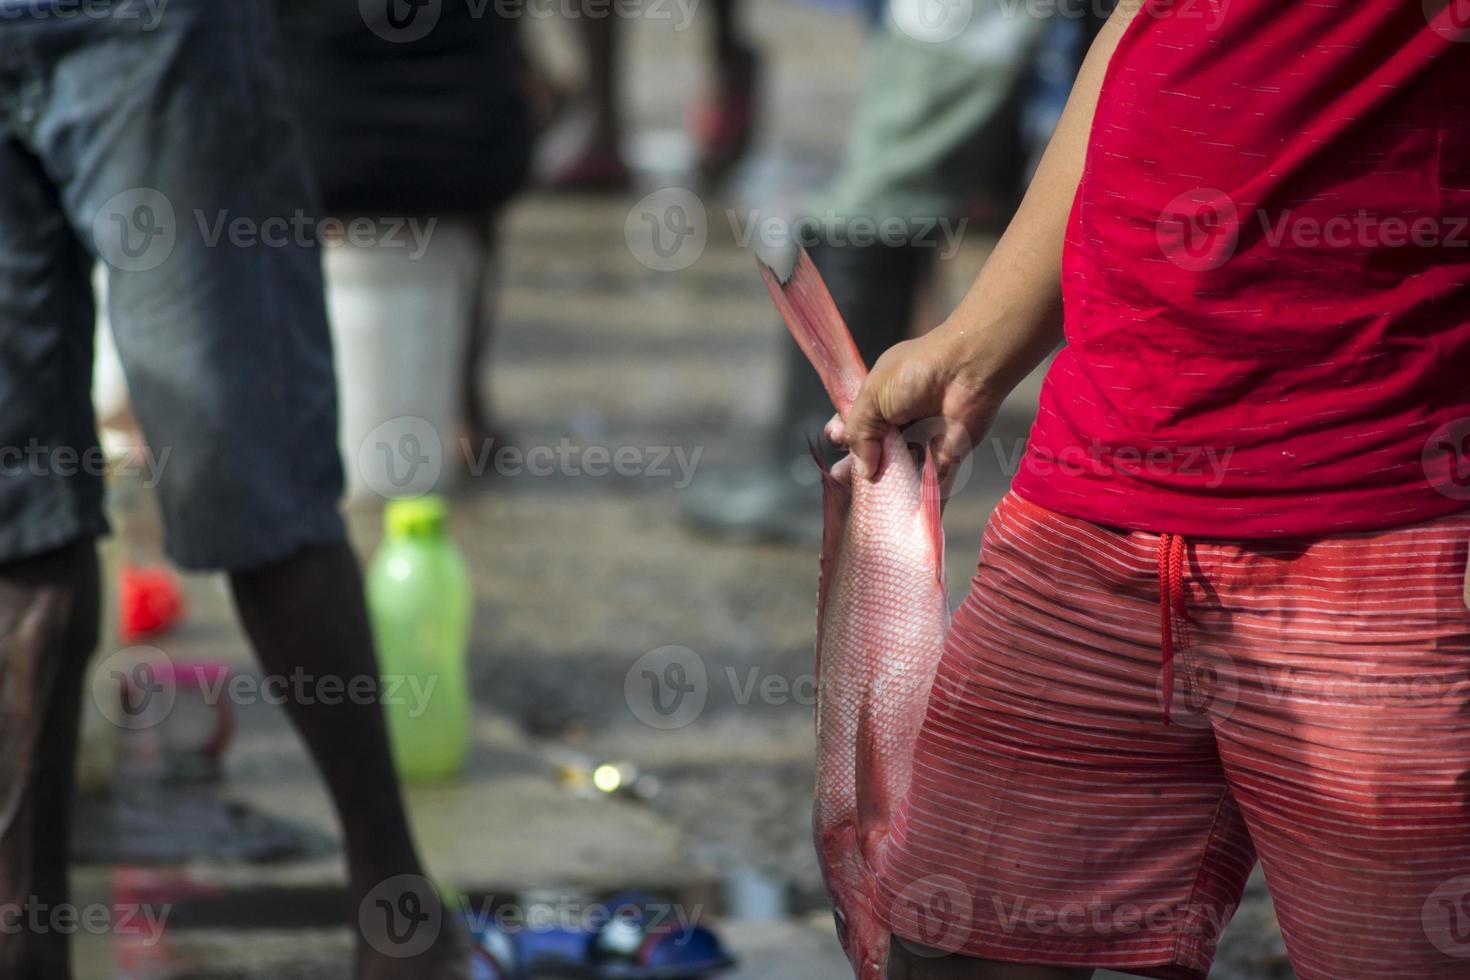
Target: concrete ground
x: 577, y: 577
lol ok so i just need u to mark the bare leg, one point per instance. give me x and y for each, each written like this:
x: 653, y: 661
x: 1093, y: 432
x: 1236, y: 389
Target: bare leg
x: 727, y: 123
x: 599, y: 164
x: 307, y: 614
x: 48, y: 629
x: 909, y: 961
x: 476, y: 427
x: 600, y: 46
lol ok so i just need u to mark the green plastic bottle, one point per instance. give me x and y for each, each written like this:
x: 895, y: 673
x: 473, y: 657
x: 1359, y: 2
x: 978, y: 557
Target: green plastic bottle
x: 421, y: 601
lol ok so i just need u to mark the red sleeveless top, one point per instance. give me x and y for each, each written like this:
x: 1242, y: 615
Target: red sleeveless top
x: 1267, y: 275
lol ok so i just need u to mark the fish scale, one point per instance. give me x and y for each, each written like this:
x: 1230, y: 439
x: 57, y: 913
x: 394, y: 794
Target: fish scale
x: 882, y: 617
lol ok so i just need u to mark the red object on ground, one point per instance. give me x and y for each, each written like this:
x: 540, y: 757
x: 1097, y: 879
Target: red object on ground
x: 1267, y: 276
x: 149, y: 601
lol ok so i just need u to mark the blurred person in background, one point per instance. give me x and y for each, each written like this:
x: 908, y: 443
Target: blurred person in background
x: 432, y: 127
x: 122, y: 135
x: 723, y: 125
x: 937, y: 131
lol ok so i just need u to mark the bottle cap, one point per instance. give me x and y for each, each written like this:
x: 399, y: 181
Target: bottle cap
x: 417, y: 517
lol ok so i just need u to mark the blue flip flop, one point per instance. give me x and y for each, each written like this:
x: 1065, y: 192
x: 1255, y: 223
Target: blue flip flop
x: 635, y: 944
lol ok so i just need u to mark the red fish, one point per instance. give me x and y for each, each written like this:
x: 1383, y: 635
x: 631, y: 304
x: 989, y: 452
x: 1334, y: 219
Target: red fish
x: 882, y: 616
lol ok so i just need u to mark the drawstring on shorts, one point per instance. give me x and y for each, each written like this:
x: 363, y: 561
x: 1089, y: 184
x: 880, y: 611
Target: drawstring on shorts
x: 1173, y: 615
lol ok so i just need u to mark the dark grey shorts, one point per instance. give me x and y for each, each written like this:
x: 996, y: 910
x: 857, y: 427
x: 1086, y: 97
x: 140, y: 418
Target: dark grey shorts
x: 148, y: 135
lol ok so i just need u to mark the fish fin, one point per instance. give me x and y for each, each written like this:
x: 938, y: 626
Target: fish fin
x: 812, y: 317
x: 931, y: 508
x: 836, y: 501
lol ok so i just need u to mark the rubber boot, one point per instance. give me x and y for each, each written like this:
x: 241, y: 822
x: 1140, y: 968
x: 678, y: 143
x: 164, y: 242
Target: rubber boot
x: 875, y: 288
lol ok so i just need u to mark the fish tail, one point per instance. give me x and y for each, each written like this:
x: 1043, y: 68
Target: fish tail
x: 812, y: 318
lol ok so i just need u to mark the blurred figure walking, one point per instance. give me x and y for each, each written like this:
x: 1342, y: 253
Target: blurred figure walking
x: 430, y: 129
x: 937, y: 127
x: 722, y: 126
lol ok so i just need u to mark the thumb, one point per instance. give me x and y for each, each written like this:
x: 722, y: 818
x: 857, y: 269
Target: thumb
x: 865, y: 428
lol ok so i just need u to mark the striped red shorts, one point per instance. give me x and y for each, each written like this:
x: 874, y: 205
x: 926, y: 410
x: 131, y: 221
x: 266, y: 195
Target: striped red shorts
x: 1319, y: 719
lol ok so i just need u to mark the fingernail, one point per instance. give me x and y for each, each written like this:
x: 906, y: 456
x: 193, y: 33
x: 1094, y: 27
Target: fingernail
x: 859, y: 467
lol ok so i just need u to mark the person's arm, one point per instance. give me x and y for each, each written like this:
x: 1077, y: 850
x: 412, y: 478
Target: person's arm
x: 1010, y: 319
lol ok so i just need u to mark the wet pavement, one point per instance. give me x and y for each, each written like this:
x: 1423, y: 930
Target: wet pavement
x: 578, y: 576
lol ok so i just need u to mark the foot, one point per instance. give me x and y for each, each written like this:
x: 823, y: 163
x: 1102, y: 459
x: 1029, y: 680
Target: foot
x: 598, y: 169
x: 767, y: 502
x: 724, y: 128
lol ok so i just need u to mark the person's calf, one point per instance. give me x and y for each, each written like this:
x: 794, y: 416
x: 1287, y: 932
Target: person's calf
x: 307, y: 618
x: 48, y: 630
x: 910, y: 961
